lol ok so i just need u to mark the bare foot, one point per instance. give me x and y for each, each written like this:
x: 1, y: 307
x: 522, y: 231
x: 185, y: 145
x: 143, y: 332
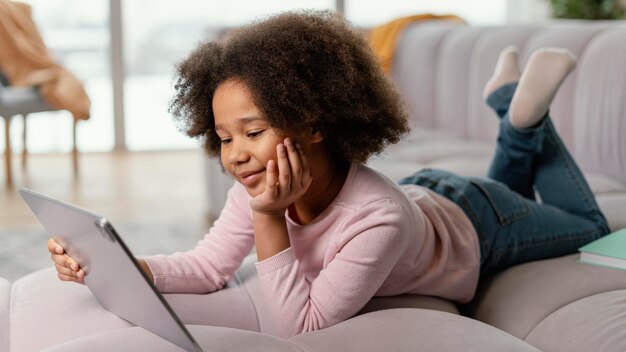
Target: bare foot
x: 547, y: 68
x: 507, y: 71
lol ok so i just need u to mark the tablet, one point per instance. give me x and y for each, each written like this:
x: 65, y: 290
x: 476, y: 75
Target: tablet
x: 112, y: 273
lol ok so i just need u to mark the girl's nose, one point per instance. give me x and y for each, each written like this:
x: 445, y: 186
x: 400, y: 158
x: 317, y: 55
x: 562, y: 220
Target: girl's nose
x: 237, y: 155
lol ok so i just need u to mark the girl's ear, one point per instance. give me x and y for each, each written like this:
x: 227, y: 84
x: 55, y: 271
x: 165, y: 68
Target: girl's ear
x: 316, y: 137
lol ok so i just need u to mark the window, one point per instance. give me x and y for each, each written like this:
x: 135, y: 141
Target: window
x: 77, y: 34
x: 485, y: 12
x: 155, y: 40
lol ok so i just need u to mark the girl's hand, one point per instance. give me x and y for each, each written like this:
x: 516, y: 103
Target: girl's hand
x: 283, y: 184
x: 67, y: 268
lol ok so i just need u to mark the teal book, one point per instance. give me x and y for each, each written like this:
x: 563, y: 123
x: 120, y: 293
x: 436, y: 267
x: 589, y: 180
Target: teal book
x: 609, y: 250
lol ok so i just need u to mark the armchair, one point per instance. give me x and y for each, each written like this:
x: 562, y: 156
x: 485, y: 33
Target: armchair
x: 31, y: 80
x: 24, y: 101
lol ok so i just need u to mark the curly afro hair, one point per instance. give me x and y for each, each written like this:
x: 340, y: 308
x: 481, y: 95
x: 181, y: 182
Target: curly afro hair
x: 306, y: 71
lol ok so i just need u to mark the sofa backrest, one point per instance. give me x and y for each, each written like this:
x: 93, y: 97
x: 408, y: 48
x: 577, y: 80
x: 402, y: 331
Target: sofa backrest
x: 441, y: 69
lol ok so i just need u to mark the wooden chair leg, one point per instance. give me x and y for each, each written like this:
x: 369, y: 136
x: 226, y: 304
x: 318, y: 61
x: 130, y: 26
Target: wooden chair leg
x: 7, y: 151
x: 75, y: 149
x: 24, y: 149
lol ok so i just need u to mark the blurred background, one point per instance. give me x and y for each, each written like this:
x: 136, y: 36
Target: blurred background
x: 136, y: 168
x: 155, y: 34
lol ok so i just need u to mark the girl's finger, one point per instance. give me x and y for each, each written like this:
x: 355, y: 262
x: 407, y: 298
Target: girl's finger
x: 71, y: 263
x: 294, y: 161
x: 271, y: 179
x: 65, y: 261
x: 306, y: 172
x: 54, y: 247
x: 64, y: 277
x: 65, y: 271
x: 303, y: 159
x: 58, y: 258
x: 284, y: 171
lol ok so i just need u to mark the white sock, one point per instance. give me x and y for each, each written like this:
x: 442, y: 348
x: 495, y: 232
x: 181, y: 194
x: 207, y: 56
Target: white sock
x: 546, y: 69
x: 507, y: 71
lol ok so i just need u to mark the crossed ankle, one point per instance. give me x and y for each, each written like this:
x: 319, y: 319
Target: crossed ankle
x: 545, y: 72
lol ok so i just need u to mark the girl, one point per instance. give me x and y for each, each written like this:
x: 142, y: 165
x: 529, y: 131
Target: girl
x: 294, y: 106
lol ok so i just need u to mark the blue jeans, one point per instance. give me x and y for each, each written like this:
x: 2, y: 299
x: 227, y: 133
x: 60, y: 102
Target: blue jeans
x: 512, y: 226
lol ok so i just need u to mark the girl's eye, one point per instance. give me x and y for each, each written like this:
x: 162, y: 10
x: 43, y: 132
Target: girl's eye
x: 225, y: 141
x: 255, y: 134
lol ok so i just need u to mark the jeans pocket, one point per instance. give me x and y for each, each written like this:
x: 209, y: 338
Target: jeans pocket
x: 507, y: 204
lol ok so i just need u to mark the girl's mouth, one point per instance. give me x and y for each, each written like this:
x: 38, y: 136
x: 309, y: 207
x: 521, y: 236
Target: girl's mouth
x: 248, y: 179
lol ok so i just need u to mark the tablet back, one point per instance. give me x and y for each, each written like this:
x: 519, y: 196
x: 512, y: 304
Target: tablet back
x: 112, y: 274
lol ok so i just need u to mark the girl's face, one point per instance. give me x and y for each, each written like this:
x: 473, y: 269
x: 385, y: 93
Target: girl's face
x: 248, y: 141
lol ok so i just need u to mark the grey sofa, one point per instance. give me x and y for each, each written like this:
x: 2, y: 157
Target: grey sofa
x: 440, y: 68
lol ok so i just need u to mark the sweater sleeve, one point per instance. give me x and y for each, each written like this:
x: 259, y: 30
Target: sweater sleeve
x: 211, y: 264
x: 367, y: 249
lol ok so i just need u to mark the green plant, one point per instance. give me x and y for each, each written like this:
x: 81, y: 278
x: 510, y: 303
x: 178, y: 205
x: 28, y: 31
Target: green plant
x: 588, y: 9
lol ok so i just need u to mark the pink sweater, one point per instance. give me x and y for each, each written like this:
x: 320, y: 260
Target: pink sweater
x: 375, y: 239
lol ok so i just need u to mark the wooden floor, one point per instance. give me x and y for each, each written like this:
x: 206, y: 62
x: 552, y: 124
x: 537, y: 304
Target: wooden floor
x: 156, y: 201
x: 123, y: 186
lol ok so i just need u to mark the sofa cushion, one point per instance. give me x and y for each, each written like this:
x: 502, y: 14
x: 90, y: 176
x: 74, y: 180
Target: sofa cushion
x: 518, y: 299
x: 428, y: 152
x: 613, y: 206
x: 418, y: 43
x: 410, y: 330
x: 54, y: 312
x: 57, y: 312
x: 5, y: 301
x: 599, y: 105
x: 395, y: 169
x: 602, y: 184
x: 409, y: 301
x: 210, y: 338
x: 596, y: 323
x: 397, y: 329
